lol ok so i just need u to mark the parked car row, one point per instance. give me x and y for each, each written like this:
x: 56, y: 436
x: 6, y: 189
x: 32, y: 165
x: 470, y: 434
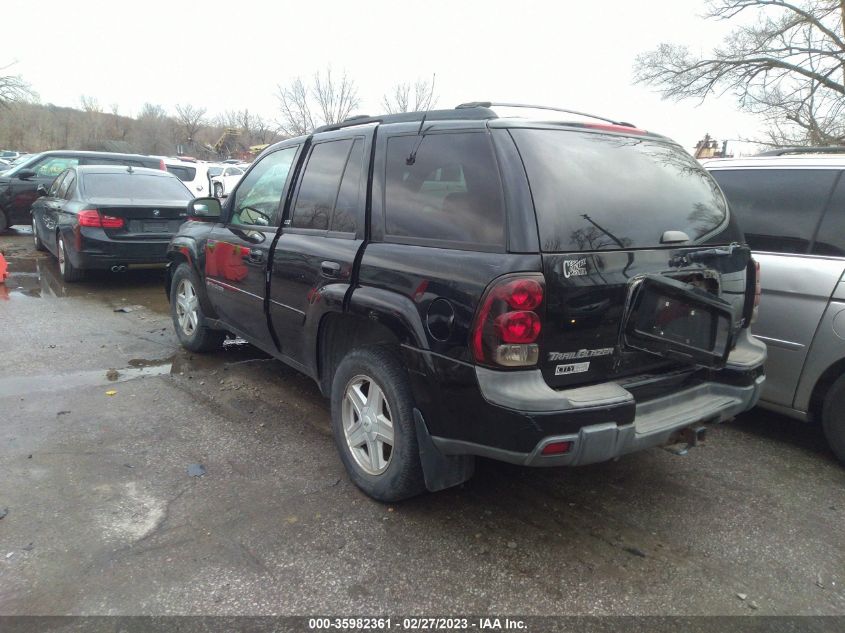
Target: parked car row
x: 206, y: 178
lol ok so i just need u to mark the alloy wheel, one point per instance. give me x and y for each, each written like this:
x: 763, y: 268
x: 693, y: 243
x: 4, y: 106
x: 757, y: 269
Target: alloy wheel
x: 368, y: 425
x: 187, y: 307
x: 60, y: 247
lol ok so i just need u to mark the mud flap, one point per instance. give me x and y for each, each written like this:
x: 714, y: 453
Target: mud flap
x: 440, y: 471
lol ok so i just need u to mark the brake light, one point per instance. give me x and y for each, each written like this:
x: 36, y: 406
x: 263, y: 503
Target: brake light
x: 508, y: 323
x: 161, y: 165
x: 92, y: 218
x: 609, y: 127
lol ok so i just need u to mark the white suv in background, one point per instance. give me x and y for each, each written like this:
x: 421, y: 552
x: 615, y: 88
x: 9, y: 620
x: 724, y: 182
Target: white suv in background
x: 195, y: 174
x: 790, y: 204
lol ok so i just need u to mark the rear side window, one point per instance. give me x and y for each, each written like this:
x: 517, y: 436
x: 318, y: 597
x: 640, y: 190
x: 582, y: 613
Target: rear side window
x: 778, y: 209
x: 134, y: 186
x: 606, y: 192
x: 66, y: 189
x: 320, y: 185
x: 830, y: 239
x: 185, y: 174
x: 450, y: 192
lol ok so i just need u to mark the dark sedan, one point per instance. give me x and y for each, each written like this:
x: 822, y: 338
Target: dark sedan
x: 108, y: 218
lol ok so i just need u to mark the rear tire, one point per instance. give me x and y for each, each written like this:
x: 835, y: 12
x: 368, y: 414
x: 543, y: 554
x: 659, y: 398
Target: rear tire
x: 373, y: 425
x: 186, y: 312
x: 39, y: 245
x: 833, y: 418
x: 70, y: 273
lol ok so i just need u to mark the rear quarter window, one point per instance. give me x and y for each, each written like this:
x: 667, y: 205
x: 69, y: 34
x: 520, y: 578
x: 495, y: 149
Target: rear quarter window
x: 448, y: 193
x: 596, y: 191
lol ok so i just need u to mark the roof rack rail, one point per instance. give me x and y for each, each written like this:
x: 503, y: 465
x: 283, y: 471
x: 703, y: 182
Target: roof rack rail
x: 479, y: 114
x: 493, y: 104
x: 783, y: 151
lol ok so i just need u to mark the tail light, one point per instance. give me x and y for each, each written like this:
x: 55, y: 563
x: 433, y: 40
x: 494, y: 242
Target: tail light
x: 508, y: 324
x: 161, y: 165
x: 92, y: 218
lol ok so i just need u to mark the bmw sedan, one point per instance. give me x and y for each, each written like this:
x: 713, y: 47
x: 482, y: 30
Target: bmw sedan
x: 108, y: 217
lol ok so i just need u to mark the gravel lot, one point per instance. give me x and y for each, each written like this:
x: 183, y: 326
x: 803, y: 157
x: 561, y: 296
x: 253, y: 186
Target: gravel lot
x: 104, y: 518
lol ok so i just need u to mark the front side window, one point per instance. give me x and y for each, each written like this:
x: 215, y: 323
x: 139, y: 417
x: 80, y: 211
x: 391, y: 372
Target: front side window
x: 443, y: 188
x: 259, y: 195
x: 53, y: 166
x: 778, y: 209
x: 319, y: 186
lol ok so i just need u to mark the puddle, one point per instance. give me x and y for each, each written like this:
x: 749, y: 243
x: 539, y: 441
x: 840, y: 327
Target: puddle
x: 38, y: 277
x: 22, y: 385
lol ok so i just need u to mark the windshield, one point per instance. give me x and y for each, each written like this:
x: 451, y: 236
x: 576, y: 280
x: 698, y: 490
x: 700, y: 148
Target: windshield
x: 134, y: 186
x: 604, y: 192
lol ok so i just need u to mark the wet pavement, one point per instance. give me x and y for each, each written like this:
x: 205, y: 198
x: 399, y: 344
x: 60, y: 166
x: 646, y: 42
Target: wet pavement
x: 103, y: 421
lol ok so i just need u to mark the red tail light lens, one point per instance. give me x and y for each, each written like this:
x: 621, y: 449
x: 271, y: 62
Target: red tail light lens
x: 518, y: 327
x: 161, y: 165
x: 508, y: 324
x: 92, y: 218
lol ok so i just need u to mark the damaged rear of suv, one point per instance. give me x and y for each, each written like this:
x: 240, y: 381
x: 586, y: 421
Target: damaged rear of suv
x: 460, y: 285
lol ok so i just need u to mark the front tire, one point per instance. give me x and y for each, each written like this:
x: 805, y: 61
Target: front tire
x: 70, y: 273
x: 186, y: 312
x: 373, y: 425
x: 833, y: 418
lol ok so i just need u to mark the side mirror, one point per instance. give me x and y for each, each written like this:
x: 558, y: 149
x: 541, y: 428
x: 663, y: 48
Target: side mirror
x: 26, y: 174
x: 205, y: 210
x: 41, y: 190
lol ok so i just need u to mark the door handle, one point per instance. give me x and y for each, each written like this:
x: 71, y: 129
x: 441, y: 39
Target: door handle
x: 256, y: 255
x: 330, y: 269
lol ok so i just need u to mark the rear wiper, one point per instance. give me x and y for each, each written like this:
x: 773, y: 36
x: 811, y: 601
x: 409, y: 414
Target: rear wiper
x: 703, y: 255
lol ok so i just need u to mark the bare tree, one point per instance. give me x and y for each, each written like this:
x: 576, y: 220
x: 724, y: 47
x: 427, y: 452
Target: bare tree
x: 327, y: 99
x: 13, y: 89
x: 90, y: 104
x: 407, y: 98
x: 787, y: 66
x: 191, y: 120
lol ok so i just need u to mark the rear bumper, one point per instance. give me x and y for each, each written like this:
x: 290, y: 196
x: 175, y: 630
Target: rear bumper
x: 94, y: 249
x: 612, y: 431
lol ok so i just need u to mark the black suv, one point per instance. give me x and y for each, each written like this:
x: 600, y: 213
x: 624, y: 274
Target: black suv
x: 19, y: 186
x: 460, y: 285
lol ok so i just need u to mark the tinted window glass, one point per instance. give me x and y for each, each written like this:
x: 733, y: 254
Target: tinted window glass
x: 603, y: 192
x: 451, y: 192
x: 319, y: 185
x: 54, y: 188
x: 777, y: 209
x: 185, y: 174
x: 348, y: 204
x: 66, y: 189
x: 831, y: 237
x: 134, y: 186
x: 53, y: 166
x: 260, y: 193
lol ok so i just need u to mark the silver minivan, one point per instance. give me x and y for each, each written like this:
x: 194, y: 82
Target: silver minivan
x: 791, y: 206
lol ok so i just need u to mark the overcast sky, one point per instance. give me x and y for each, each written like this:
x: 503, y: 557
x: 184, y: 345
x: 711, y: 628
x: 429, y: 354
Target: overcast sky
x: 231, y: 55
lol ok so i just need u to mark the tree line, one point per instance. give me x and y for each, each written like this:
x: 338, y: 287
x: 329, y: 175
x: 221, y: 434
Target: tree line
x: 304, y: 104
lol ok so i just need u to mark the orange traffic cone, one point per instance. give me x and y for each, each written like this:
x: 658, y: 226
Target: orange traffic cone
x: 4, y: 269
